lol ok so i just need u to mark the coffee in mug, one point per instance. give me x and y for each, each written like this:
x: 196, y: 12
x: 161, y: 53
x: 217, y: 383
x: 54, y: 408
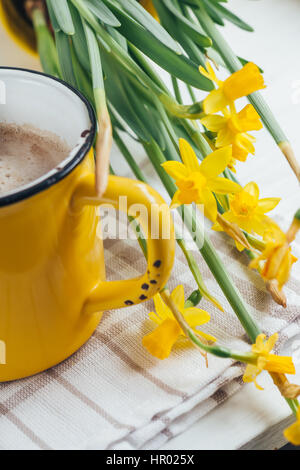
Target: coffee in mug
x: 26, y: 154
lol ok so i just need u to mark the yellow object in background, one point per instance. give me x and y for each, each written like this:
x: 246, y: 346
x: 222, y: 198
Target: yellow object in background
x: 148, y: 5
x: 14, y: 20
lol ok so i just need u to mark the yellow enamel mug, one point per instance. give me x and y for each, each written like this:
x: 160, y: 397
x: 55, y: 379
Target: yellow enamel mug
x: 52, y: 272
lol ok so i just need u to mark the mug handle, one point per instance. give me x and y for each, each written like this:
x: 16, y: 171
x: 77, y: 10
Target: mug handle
x: 107, y: 295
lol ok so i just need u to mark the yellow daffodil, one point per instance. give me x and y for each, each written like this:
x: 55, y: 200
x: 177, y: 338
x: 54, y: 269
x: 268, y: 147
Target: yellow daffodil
x: 148, y: 5
x: 239, y: 84
x: 292, y: 433
x: 196, y: 181
x: 248, y: 211
x: 232, y: 129
x: 267, y: 361
x: 159, y: 343
x: 278, y: 261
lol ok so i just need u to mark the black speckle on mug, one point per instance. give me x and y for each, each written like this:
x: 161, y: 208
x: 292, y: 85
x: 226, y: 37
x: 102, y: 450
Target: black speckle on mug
x: 145, y: 286
x: 153, y: 281
x: 143, y: 297
x: 85, y: 133
x: 129, y: 302
x: 157, y: 264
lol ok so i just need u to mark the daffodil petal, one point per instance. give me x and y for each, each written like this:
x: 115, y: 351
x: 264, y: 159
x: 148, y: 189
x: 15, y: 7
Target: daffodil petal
x: 159, y: 343
x: 244, y: 142
x: 178, y: 297
x: 188, y: 156
x: 292, y: 434
x: 216, y: 162
x: 259, y: 345
x: 251, y: 373
x: 267, y: 204
x: 214, y: 123
x: 161, y: 308
x: 176, y: 170
x: 252, y: 189
x: 175, y: 201
x: 225, y: 137
x: 280, y: 364
x: 223, y: 186
x: 210, y: 205
x: 208, y: 72
x: 215, y: 102
x: 249, y: 119
x: 196, y: 316
x: 284, y: 269
x: 154, y: 317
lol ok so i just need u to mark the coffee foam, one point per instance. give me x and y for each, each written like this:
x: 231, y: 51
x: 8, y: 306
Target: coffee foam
x: 26, y: 154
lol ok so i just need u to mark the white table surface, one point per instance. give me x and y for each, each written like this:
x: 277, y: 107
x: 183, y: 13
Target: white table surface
x: 249, y: 419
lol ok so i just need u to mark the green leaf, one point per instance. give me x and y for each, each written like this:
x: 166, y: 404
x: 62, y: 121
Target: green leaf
x: 83, y: 78
x: 117, y: 96
x: 63, y: 16
x: 65, y: 57
x: 118, y: 38
x: 45, y: 44
x: 192, y: 30
x: 228, y: 15
x: 52, y: 16
x: 79, y: 39
x: 179, y: 66
x: 143, y: 18
x: 94, y: 55
x: 211, y: 10
x: 172, y: 25
x: 102, y: 12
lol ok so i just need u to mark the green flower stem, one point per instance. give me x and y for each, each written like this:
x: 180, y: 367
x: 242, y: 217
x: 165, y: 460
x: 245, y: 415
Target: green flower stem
x: 191, y: 92
x: 194, y: 268
x: 45, y: 44
x: 176, y: 89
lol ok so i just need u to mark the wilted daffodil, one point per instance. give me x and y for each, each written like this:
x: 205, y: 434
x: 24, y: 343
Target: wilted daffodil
x: 267, y: 361
x: 248, y: 211
x: 292, y: 433
x: 239, y: 84
x: 159, y: 343
x: 197, y: 181
x: 232, y: 129
x: 278, y: 260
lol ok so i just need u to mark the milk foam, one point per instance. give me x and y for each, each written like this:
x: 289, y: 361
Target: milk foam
x: 26, y: 154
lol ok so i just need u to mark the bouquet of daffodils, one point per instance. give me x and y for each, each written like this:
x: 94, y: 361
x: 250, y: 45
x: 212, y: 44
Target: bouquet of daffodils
x: 111, y: 50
